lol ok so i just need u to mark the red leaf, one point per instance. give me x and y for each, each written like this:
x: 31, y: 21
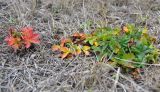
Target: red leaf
x: 29, y: 36
x: 13, y: 42
x: 14, y: 39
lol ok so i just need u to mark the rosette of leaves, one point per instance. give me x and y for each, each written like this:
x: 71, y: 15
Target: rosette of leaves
x: 22, y: 38
x: 129, y: 46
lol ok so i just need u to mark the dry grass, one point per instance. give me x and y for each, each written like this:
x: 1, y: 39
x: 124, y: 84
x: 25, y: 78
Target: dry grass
x: 39, y: 70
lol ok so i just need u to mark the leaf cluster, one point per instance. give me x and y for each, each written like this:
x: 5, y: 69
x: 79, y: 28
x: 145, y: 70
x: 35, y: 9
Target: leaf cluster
x: 72, y: 46
x: 128, y: 46
x: 22, y: 38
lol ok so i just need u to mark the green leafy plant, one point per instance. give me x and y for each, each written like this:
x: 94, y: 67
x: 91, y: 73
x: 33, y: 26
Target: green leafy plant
x: 128, y: 46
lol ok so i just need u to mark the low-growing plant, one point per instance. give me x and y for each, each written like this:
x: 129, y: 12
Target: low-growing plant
x: 22, y: 38
x: 128, y: 46
x: 72, y: 46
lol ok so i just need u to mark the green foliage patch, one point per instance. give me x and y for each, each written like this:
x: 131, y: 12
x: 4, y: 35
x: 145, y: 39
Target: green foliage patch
x: 128, y: 46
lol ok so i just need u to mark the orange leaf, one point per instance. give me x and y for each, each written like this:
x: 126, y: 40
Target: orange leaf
x: 81, y: 36
x: 29, y: 36
x: 76, y: 34
x: 64, y: 40
x: 55, y: 47
x: 125, y: 29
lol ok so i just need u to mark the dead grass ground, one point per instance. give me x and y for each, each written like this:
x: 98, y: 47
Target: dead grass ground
x: 39, y: 70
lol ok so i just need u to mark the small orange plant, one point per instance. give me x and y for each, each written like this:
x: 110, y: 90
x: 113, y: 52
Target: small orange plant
x: 73, y: 45
x: 22, y: 38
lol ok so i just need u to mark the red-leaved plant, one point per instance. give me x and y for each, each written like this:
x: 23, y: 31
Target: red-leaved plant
x: 22, y: 38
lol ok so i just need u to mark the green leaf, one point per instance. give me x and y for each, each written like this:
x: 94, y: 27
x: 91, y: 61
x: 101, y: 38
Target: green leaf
x: 128, y: 56
x: 144, y: 40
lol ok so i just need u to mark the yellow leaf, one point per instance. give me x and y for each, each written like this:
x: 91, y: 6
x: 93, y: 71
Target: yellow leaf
x: 129, y: 65
x: 144, y: 31
x: 96, y: 44
x: 116, y: 50
x: 65, y: 49
x: 85, y: 50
